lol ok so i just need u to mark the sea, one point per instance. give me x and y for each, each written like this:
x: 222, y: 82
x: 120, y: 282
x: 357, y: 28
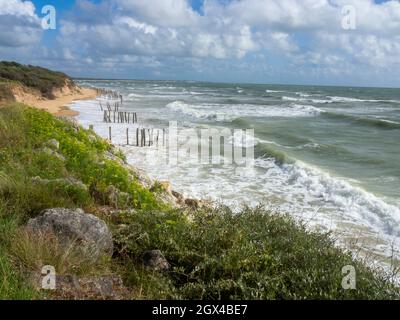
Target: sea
x: 328, y: 156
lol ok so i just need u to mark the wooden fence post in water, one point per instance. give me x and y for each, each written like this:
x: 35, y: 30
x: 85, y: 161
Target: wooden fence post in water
x: 137, y: 137
x: 163, y: 137
x: 127, y: 136
x: 109, y: 133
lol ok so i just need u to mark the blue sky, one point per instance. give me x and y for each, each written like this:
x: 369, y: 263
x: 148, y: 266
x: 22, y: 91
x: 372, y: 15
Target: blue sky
x: 262, y: 41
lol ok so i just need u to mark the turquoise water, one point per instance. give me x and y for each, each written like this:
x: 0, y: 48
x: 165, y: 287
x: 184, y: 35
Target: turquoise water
x: 327, y: 153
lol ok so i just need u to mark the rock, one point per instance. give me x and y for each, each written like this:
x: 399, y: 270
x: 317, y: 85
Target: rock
x: 116, y: 197
x: 71, y: 287
x: 192, y: 203
x: 167, y: 198
x: 165, y: 185
x: 92, y: 138
x: 53, y: 144
x: 155, y: 260
x: 164, y: 193
x: 94, y: 288
x: 71, y: 122
x: 179, y: 197
x: 140, y: 176
x: 53, y: 153
x: 91, y: 233
x: 197, y: 204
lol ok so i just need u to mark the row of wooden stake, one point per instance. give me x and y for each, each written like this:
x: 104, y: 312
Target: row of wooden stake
x: 143, y: 138
x: 109, y: 94
x: 119, y: 117
x: 110, y: 106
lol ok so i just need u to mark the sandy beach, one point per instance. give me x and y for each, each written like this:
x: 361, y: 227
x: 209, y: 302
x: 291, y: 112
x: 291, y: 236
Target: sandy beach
x: 58, y: 106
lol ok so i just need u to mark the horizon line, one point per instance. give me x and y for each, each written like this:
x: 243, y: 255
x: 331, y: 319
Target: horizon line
x: 243, y: 83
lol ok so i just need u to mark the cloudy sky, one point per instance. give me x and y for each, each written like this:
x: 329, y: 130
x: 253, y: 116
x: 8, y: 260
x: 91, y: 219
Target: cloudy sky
x: 263, y: 41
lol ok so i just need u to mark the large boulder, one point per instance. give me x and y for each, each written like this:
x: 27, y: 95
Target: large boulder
x: 74, y: 226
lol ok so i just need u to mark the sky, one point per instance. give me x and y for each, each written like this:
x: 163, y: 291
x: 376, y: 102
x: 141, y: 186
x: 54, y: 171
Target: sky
x: 321, y: 42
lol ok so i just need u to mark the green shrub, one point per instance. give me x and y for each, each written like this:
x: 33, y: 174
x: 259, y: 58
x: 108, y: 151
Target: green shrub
x: 255, y: 254
x: 23, y: 135
x: 38, y: 78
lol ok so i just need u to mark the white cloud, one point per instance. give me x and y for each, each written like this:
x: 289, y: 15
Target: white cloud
x: 19, y: 26
x: 164, y: 13
x: 165, y: 34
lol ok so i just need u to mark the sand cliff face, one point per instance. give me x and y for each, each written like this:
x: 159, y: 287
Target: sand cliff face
x: 58, y: 106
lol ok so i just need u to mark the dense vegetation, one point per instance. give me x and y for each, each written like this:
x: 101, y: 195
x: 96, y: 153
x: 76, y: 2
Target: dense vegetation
x: 214, y: 254
x: 38, y: 78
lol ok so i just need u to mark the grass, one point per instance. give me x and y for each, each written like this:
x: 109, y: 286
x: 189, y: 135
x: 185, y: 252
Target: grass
x: 12, y: 284
x: 38, y: 78
x: 33, y: 250
x: 213, y: 253
x: 255, y: 254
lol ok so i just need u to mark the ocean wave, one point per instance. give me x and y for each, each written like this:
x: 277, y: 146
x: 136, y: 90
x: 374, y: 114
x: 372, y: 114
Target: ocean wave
x: 346, y: 99
x: 266, y: 151
x: 195, y: 93
x: 243, y: 139
x: 311, y: 184
x: 134, y: 97
x: 307, y: 109
x: 196, y: 111
x: 302, y: 94
x: 294, y: 99
x: 374, y: 122
x: 230, y: 112
x: 331, y: 99
x: 274, y: 91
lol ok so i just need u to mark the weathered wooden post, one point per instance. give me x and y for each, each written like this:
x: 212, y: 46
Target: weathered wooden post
x: 163, y: 138
x: 127, y: 136
x: 150, y: 137
x: 109, y: 133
